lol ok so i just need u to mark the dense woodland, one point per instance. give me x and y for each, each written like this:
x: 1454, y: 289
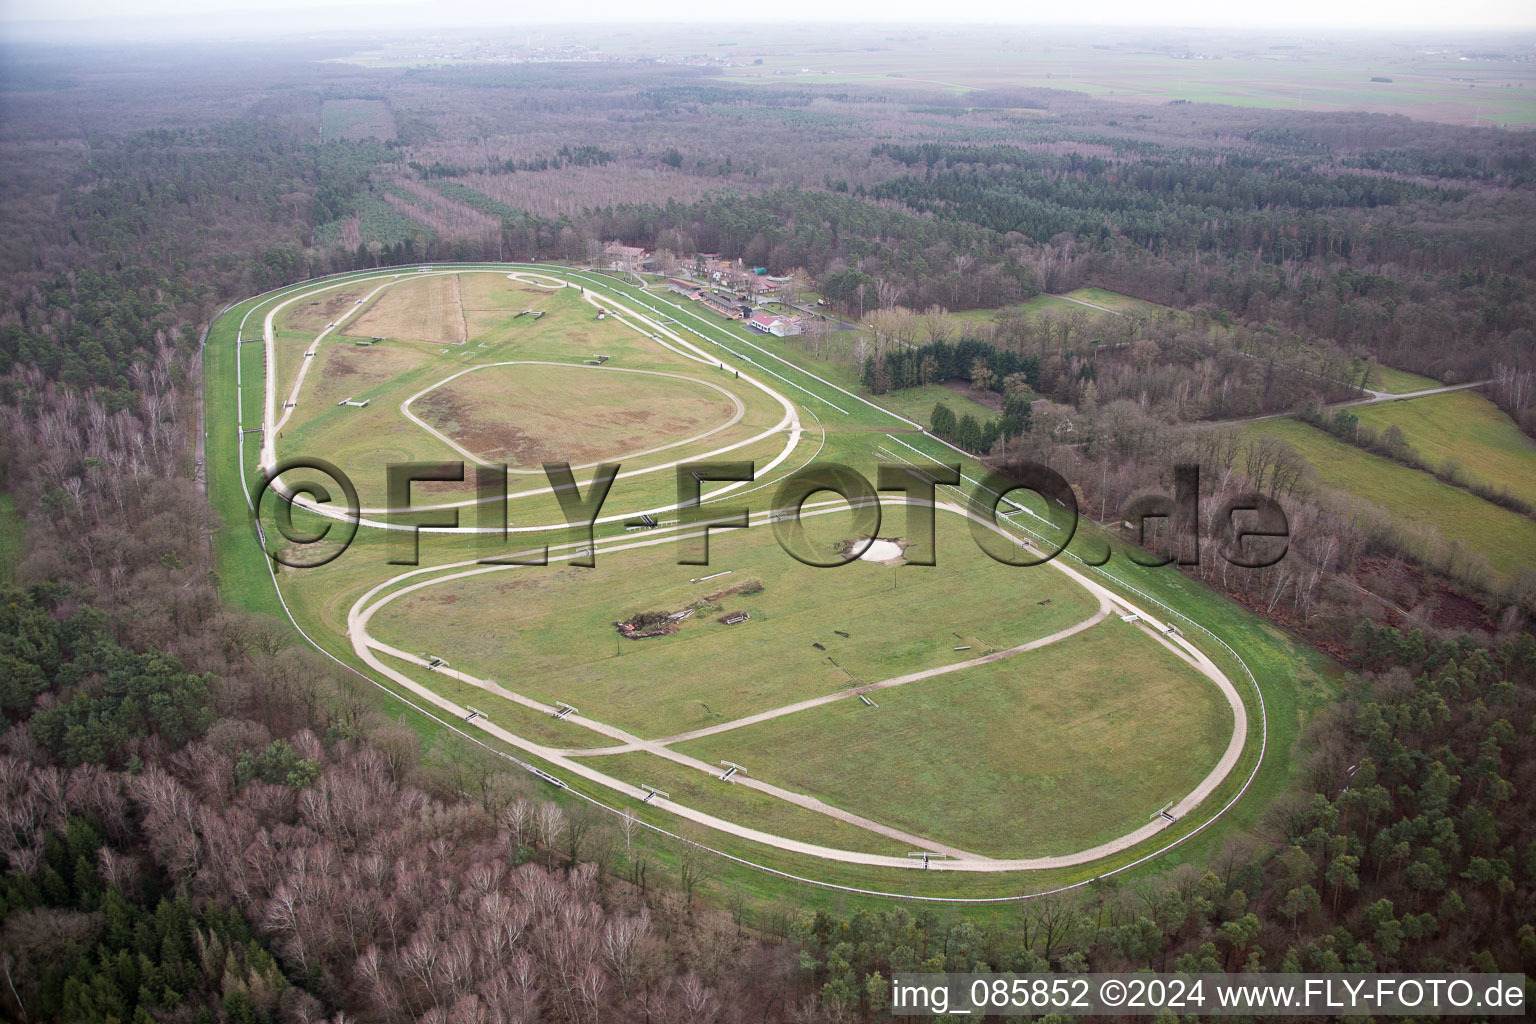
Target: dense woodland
x: 204, y: 823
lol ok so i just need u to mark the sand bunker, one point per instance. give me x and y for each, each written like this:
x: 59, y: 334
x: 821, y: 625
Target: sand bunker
x: 881, y: 551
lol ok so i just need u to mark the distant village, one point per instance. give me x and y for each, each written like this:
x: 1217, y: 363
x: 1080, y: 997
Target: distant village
x: 727, y: 287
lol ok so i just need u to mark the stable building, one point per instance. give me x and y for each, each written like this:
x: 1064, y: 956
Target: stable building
x: 726, y: 305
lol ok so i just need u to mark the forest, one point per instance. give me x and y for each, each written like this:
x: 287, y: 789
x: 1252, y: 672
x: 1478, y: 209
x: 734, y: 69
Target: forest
x: 205, y: 822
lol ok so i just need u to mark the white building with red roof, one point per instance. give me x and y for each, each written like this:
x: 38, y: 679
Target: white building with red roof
x: 776, y: 324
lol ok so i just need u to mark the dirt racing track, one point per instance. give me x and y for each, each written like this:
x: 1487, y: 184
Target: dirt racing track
x: 669, y: 333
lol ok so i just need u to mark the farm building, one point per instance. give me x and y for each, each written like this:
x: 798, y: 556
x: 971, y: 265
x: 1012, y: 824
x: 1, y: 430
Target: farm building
x: 683, y: 286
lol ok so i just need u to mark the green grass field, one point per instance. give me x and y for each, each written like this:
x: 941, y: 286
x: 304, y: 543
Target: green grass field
x: 1050, y: 752
x: 1399, y: 382
x: 1052, y: 304
x: 548, y: 632
x: 1123, y: 304
x: 1465, y: 428
x: 1506, y: 539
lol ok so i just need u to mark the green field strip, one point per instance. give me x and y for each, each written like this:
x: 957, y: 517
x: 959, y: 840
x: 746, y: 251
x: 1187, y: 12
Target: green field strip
x: 1506, y: 539
x: 1466, y: 428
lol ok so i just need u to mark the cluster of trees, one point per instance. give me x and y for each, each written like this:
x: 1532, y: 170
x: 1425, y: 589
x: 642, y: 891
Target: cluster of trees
x: 92, y: 937
x: 1347, y: 560
x: 1180, y: 368
x: 221, y: 861
x: 1513, y: 389
x: 1177, y: 199
x: 1409, y: 847
x: 976, y: 437
x: 890, y: 368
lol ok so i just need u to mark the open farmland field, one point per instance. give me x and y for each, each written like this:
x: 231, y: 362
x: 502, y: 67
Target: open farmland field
x: 1303, y: 73
x: 1506, y: 539
x: 1466, y: 429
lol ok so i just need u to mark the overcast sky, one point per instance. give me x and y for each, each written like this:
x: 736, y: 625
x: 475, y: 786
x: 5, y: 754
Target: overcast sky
x: 1380, y: 15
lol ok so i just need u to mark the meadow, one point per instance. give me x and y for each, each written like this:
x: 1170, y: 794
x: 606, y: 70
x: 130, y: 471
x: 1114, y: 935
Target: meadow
x: 1466, y: 430
x: 1399, y: 382
x: 1049, y: 752
x: 549, y: 632
x: 1507, y: 540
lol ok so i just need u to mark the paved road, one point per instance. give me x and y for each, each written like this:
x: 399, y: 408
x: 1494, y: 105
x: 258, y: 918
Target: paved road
x: 1376, y: 397
x: 1090, y: 305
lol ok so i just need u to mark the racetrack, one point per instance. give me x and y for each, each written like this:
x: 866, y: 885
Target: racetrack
x: 367, y: 649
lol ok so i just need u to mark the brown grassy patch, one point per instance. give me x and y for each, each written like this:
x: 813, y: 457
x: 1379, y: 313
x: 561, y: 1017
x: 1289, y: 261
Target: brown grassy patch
x: 314, y: 314
x: 423, y: 309
x: 349, y: 371
x: 525, y: 414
